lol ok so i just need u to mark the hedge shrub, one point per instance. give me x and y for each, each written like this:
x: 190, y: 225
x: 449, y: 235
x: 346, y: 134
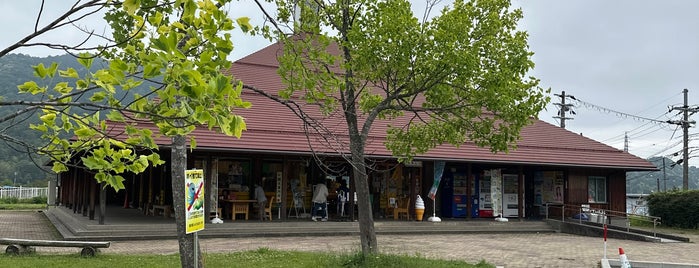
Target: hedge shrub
x: 675, y: 208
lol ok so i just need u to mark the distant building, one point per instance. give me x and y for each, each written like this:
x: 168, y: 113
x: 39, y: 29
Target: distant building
x: 636, y: 204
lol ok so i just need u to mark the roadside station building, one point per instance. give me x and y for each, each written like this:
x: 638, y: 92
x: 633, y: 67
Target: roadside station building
x: 550, y: 165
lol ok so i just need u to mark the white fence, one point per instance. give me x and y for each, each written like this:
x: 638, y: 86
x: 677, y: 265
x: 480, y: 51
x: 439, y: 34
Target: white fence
x: 23, y: 192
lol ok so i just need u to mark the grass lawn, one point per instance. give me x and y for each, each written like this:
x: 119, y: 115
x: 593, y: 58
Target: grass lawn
x: 257, y: 258
x: 637, y: 222
x: 21, y: 206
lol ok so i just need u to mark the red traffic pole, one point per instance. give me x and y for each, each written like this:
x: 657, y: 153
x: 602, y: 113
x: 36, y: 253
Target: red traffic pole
x: 605, y: 240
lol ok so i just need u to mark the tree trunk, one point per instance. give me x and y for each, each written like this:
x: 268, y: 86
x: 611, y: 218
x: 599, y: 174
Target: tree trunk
x: 367, y: 234
x: 178, y: 166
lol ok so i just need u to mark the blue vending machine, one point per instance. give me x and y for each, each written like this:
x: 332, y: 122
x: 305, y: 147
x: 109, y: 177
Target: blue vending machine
x: 447, y: 194
x: 460, y: 196
x: 455, y: 194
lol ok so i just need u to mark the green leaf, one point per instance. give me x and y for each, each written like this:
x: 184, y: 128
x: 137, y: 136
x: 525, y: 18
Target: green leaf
x: 40, y: 71
x: 130, y: 6
x: 63, y: 88
x: 161, y: 43
x: 52, y: 70
x: 118, y: 65
x: 115, y: 115
x: 117, y: 181
x: 40, y: 128
x: 151, y: 70
x: 244, y: 23
x: 59, y: 167
x: 84, y: 133
x: 98, y: 96
x: 48, y: 118
x: 70, y: 73
x: 29, y: 87
x: 85, y: 59
x: 92, y: 163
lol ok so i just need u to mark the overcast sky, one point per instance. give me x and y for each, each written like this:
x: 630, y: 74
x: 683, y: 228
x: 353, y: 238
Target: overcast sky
x: 633, y: 57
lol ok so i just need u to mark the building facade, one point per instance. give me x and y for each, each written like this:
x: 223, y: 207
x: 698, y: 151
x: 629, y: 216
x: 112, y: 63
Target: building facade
x: 549, y: 166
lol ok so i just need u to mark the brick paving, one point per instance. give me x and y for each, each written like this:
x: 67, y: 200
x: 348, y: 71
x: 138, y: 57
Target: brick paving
x: 506, y: 249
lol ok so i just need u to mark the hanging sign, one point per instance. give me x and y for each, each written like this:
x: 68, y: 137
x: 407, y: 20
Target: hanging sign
x: 496, y: 191
x: 194, y: 200
x: 438, y: 170
x: 279, y: 188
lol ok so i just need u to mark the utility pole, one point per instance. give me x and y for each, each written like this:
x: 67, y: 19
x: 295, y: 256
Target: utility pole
x: 564, y: 107
x: 626, y: 141
x: 685, y: 123
x: 657, y: 180
x: 664, y: 175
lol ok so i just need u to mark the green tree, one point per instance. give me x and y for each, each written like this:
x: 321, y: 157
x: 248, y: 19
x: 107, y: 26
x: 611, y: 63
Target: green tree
x: 179, y: 46
x: 458, y: 76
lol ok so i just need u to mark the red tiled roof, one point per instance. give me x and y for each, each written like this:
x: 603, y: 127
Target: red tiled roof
x: 274, y: 128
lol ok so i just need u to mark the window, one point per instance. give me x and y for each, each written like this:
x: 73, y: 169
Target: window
x: 597, y: 189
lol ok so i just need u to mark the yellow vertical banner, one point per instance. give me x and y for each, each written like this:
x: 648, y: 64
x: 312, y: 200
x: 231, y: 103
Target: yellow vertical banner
x: 194, y: 200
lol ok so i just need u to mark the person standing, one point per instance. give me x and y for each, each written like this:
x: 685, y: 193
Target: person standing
x: 342, y: 197
x: 261, y: 200
x: 320, y: 202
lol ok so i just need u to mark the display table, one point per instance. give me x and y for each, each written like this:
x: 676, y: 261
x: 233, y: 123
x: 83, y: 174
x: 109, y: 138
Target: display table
x: 164, y: 208
x: 239, y: 206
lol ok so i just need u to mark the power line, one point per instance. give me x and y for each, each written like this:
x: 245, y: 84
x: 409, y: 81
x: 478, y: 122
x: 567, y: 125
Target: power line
x: 620, y: 114
x: 635, y: 134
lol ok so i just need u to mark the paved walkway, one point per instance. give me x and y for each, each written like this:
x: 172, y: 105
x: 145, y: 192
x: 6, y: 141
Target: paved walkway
x: 507, y: 250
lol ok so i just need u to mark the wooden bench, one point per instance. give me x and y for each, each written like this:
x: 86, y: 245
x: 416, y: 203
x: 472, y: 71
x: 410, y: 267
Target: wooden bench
x: 17, y: 246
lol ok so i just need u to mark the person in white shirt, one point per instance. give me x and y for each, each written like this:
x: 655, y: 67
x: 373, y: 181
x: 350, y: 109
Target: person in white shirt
x: 320, y: 202
x: 261, y: 200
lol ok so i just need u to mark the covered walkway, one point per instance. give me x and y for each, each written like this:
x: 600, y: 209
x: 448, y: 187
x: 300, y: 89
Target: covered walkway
x: 131, y: 224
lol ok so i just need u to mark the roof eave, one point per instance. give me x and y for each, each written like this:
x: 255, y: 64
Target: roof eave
x: 567, y: 165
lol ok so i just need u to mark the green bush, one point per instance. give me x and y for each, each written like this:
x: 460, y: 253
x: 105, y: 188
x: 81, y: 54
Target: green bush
x: 9, y: 200
x: 675, y: 208
x: 21, y: 206
x: 15, y: 200
x: 39, y: 200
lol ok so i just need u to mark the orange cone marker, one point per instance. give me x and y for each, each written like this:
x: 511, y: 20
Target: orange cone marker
x: 623, y: 259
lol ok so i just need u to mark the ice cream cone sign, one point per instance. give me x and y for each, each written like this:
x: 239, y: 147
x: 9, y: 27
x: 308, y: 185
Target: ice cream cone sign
x: 623, y: 259
x: 419, y: 208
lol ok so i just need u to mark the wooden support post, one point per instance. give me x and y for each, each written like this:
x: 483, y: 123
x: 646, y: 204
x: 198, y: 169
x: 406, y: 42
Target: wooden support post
x: 469, y: 190
x: 520, y: 193
x: 74, y: 188
x: 285, y: 186
x: 93, y: 190
x: 103, y: 203
x: 209, y: 195
x: 150, y: 185
x: 140, y: 191
x: 86, y: 195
